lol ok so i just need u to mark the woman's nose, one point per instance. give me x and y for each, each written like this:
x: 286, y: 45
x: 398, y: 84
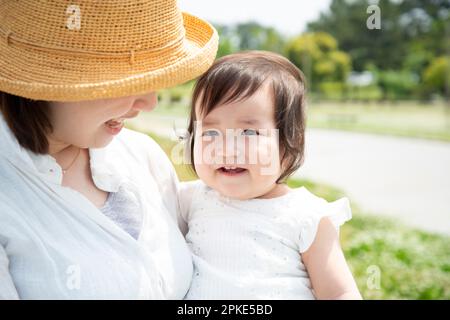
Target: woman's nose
x: 146, y: 102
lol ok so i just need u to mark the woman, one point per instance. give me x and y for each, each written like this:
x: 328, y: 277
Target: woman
x: 88, y: 210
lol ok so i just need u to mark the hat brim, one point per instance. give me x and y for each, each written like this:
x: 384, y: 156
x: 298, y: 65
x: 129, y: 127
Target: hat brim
x: 49, y: 76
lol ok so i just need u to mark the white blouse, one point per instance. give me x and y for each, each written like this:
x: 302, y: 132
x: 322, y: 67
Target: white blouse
x: 252, y: 249
x: 55, y: 244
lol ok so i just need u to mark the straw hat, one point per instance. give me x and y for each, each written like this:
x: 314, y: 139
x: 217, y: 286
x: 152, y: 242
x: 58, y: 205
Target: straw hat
x: 66, y: 50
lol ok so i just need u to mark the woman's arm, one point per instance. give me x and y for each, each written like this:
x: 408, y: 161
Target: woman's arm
x: 186, y: 191
x: 330, y: 275
x: 167, y: 180
x: 7, y: 289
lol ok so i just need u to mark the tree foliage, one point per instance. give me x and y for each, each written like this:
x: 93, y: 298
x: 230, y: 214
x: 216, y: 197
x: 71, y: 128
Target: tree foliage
x: 317, y: 54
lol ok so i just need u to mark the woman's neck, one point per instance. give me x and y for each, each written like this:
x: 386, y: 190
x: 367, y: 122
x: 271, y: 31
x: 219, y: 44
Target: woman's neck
x: 63, y: 153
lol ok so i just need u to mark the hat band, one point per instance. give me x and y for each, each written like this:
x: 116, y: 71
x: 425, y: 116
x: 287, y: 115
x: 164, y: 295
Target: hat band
x: 174, y: 45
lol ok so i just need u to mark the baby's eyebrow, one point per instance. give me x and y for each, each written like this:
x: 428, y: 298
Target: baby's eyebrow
x: 249, y: 121
x: 210, y: 122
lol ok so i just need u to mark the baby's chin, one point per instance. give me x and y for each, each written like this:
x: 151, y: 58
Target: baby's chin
x: 247, y: 192
x: 237, y: 193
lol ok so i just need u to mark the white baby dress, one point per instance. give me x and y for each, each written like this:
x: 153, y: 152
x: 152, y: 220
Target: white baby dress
x: 251, y: 249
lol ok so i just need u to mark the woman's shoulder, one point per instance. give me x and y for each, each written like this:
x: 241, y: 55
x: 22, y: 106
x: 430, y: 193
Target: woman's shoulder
x: 141, y: 146
x: 136, y: 140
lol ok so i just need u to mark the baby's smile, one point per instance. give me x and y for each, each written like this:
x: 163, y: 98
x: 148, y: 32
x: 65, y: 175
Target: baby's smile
x: 232, y: 171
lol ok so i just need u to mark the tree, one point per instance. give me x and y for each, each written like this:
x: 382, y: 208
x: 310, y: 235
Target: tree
x: 254, y: 36
x: 317, y: 54
x: 248, y: 36
x: 405, y: 26
x: 228, y: 42
x: 437, y: 76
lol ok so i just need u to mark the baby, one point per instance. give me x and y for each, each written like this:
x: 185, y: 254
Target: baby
x: 251, y: 236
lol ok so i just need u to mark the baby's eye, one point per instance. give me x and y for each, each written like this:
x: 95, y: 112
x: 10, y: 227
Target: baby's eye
x: 250, y: 132
x: 210, y: 133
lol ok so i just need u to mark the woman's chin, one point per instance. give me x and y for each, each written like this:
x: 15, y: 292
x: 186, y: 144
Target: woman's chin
x: 102, y: 141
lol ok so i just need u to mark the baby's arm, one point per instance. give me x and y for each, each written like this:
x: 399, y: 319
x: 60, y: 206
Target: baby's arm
x: 329, y: 273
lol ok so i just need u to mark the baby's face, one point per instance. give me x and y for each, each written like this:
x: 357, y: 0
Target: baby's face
x: 236, y: 147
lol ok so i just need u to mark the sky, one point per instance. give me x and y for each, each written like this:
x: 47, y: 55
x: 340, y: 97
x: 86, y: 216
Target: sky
x: 287, y: 16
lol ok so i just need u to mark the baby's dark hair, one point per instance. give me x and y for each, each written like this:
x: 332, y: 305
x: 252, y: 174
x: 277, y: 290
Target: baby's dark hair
x: 237, y: 77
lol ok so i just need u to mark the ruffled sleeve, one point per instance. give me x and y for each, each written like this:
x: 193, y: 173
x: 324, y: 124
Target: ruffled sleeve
x: 338, y: 212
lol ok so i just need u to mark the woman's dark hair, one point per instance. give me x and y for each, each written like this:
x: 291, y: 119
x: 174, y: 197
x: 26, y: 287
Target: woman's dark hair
x: 238, y: 76
x: 28, y: 120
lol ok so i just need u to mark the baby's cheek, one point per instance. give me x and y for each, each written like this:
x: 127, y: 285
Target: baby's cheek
x: 204, y: 172
x: 267, y: 153
x: 205, y: 152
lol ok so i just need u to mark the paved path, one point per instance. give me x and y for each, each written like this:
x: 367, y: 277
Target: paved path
x: 405, y: 178
x: 408, y: 179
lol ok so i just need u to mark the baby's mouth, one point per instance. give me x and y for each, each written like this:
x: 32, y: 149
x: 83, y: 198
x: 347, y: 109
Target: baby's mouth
x: 231, y: 170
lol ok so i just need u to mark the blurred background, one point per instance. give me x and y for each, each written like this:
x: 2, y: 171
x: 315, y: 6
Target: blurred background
x: 378, y: 77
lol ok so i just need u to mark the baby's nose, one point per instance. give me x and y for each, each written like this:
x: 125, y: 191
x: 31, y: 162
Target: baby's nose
x: 230, y: 149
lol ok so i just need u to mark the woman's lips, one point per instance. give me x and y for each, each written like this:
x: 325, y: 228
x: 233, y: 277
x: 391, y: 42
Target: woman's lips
x: 114, y: 126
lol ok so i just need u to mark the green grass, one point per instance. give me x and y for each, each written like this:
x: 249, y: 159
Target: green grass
x: 407, y: 119
x: 401, y: 119
x: 412, y: 264
x: 175, y: 101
